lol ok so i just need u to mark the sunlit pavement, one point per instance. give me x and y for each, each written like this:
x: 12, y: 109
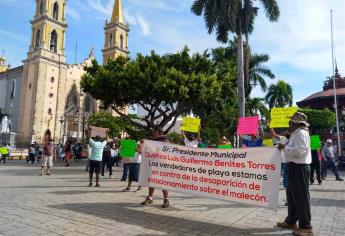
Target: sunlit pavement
x: 62, y: 204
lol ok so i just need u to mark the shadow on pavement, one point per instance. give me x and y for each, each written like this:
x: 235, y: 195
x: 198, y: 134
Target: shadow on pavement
x: 328, y: 190
x: 327, y: 202
x: 77, y: 192
x: 133, y: 214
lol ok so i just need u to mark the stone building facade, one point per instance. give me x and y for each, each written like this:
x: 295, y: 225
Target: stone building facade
x: 48, y: 97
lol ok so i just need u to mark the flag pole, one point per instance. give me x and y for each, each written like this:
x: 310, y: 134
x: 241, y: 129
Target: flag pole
x: 334, y: 86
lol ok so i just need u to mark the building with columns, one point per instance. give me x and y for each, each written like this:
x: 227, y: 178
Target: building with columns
x: 44, y: 94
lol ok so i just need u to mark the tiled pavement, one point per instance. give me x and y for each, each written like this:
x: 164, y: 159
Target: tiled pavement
x: 62, y: 204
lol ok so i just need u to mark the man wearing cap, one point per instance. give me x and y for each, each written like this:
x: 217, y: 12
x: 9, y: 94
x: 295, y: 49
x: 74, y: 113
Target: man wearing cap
x: 328, y: 153
x: 298, y: 158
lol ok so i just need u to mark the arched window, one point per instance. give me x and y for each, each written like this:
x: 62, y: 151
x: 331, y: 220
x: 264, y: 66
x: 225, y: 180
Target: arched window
x: 41, y: 8
x: 13, y: 90
x: 56, y: 11
x: 53, y: 41
x: 50, y: 112
x: 52, y: 79
x: 38, y: 39
x: 111, y: 40
x: 121, y: 41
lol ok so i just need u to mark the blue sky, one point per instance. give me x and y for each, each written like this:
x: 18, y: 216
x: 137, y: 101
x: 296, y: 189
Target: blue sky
x: 299, y: 44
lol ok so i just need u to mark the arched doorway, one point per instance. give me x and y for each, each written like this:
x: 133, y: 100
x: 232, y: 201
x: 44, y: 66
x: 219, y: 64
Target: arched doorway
x: 71, y: 114
x: 89, y: 108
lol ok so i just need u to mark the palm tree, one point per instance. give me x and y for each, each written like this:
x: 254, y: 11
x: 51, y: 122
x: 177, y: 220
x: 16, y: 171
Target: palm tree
x: 231, y: 16
x: 279, y: 95
x: 258, y: 72
x: 256, y: 106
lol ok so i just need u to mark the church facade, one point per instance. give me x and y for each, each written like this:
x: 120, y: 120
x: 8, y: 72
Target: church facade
x: 44, y: 94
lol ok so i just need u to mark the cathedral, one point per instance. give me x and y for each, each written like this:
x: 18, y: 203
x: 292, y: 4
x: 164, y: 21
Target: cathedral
x: 44, y: 95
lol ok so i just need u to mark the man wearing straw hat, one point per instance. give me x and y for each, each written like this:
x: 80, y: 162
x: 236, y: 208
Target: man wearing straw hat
x: 298, y: 158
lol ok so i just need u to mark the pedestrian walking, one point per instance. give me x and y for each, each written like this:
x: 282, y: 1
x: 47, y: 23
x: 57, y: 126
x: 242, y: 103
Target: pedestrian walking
x: 298, y: 158
x: 68, y: 152
x: 315, y: 166
x: 31, y: 157
x: 115, y: 155
x: 4, y: 151
x: 329, y: 153
x: 60, y: 153
x: 37, y: 151
x: 78, y: 152
x: 97, y: 146
x: 157, y: 136
x: 106, y: 160
x: 47, y: 157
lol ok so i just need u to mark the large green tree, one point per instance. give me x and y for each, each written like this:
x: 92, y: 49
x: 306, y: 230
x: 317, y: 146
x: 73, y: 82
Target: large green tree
x: 256, y: 106
x: 230, y: 16
x: 258, y: 72
x: 165, y: 87
x: 279, y: 95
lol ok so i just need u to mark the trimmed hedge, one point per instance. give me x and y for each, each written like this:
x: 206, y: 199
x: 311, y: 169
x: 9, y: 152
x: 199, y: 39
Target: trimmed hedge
x: 320, y: 119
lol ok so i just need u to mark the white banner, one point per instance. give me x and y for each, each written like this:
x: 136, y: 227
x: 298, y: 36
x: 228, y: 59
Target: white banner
x: 249, y: 176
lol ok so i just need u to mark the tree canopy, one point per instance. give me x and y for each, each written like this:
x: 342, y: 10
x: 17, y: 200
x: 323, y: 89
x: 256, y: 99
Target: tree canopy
x: 279, y: 95
x: 164, y: 87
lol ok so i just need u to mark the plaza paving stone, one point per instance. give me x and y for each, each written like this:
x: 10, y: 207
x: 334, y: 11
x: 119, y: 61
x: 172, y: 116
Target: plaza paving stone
x: 62, y: 204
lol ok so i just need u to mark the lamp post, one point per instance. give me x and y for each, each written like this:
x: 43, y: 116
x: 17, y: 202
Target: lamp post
x: 61, y: 122
x: 79, y: 112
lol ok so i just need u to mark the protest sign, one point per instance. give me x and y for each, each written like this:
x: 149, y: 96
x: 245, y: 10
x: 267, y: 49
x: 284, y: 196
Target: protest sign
x: 226, y: 146
x: 128, y: 148
x: 248, y: 176
x: 190, y: 124
x: 248, y: 125
x: 98, y: 131
x: 268, y: 142
x: 280, y: 117
x: 315, y: 142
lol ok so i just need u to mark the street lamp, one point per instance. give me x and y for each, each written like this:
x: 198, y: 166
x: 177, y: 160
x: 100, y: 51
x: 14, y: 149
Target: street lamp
x: 61, y: 122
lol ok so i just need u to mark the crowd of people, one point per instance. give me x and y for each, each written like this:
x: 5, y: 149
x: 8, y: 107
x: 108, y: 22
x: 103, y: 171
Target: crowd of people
x: 299, y: 163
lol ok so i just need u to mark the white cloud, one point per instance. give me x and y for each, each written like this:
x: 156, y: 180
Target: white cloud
x: 301, y: 38
x: 144, y: 25
x: 73, y: 14
x: 101, y: 7
x: 13, y: 35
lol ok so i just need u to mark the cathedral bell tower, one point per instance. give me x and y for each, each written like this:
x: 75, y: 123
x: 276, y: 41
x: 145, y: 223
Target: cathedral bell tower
x: 116, y: 35
x: 44, y: 70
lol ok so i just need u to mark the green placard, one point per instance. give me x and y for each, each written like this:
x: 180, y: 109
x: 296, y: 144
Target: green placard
x: 315, y: 142
x: 228, y: 146
x: 128, y: 148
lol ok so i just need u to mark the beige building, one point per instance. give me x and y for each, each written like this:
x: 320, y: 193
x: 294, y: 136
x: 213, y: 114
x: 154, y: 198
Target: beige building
x: 50, y: 97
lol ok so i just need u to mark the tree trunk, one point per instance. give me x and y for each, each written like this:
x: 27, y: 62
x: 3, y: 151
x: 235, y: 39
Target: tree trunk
x: 240, y: 81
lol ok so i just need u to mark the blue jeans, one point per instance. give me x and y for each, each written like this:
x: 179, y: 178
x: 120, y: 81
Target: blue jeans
x: 125, y: 172
x: 329, y: 163
x: 285, y: 175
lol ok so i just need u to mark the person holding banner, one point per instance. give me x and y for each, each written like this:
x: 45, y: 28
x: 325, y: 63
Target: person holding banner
x: 97, y: 146
x: 277, y: 139
x: 298, y: 157
x: 224, y: 143
x: 192, y: 141
x: 254, y: 140
x: 134, y: 168
x: 157, y: 136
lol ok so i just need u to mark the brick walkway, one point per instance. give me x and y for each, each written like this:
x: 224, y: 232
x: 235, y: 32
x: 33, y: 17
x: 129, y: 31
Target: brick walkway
x: 61, y: 204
